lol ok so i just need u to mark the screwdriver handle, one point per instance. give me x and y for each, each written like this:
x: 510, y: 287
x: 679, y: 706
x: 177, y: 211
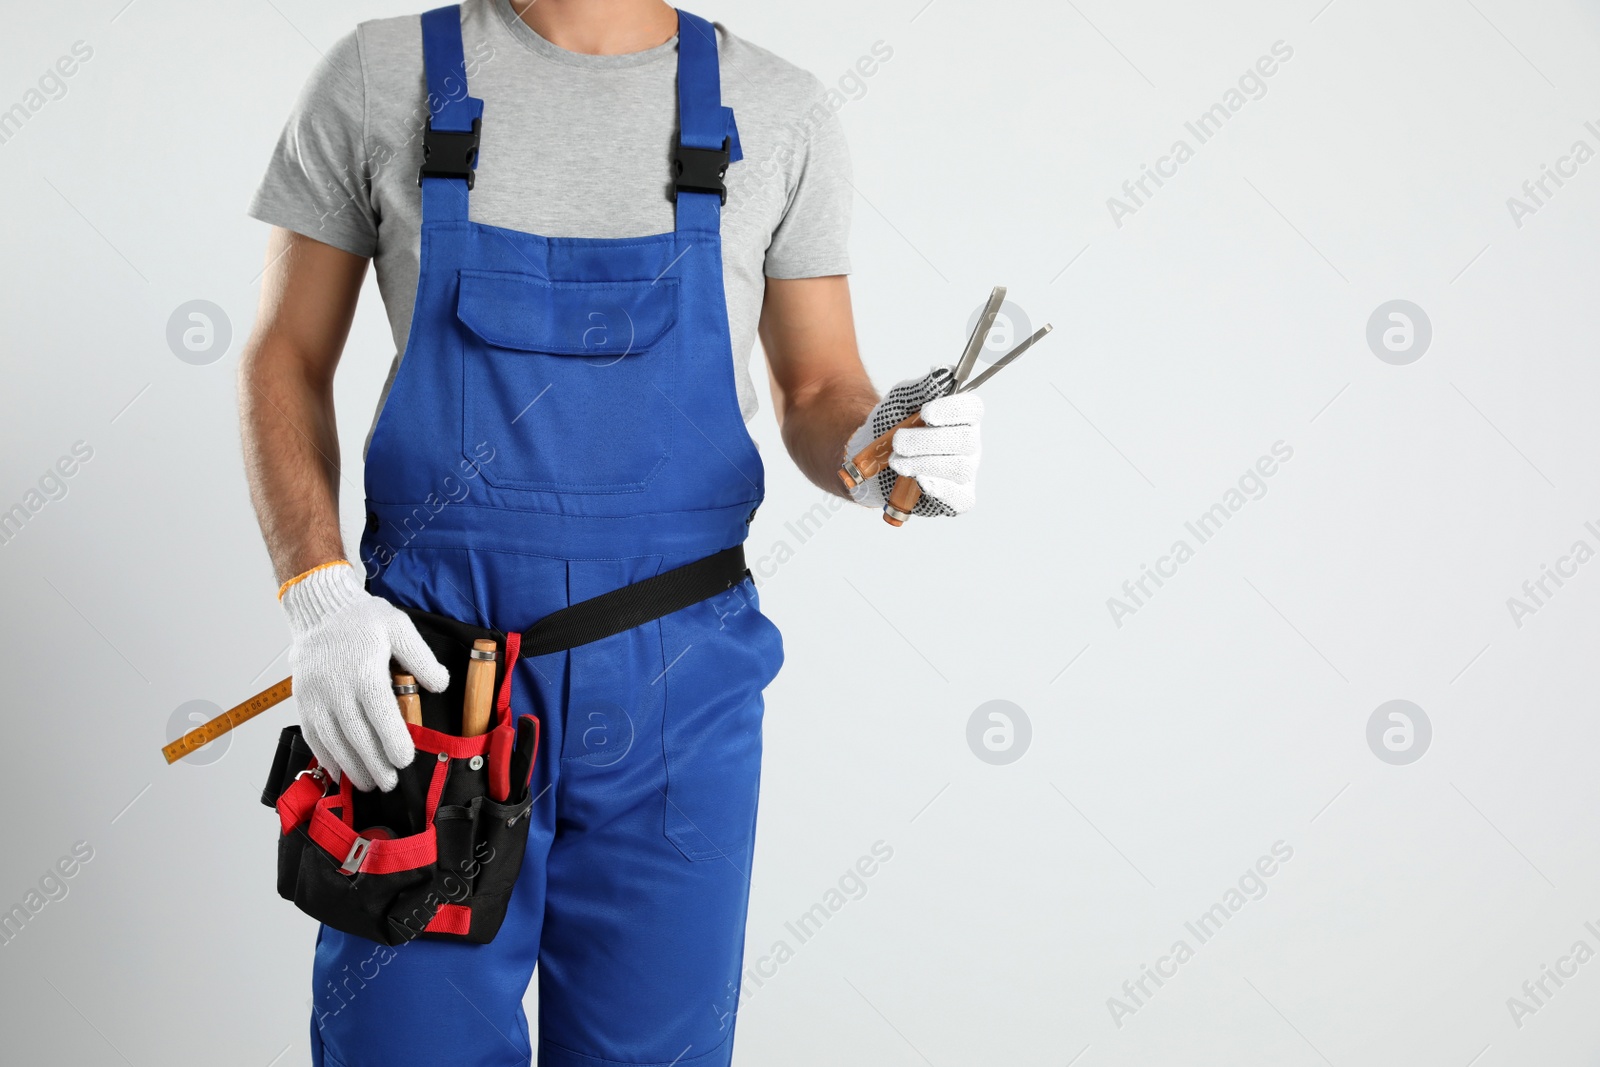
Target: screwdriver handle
x: 870, y: 461
x: 907, y: 491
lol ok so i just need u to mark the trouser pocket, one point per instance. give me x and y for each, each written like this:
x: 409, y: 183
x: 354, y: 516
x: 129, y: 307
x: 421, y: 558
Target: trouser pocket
x: 711, y: 730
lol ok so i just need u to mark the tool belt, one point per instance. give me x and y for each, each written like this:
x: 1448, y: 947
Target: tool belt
x: 437, y: 856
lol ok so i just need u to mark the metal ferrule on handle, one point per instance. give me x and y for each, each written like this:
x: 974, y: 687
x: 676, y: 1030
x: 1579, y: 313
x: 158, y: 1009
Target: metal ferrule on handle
x: 894, y: 516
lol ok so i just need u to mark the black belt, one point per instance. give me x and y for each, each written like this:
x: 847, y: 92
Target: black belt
x: 621, y: 609
x: 634, y: 605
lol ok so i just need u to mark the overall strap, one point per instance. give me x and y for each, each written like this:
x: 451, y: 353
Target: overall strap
x: 707, y: 141
x: 450, y: 142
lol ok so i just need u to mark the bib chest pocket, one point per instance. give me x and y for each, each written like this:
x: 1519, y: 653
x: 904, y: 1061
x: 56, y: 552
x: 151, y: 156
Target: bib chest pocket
x: 571, y: 383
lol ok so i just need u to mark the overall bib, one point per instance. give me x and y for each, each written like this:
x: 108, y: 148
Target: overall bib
x: 565, y: 423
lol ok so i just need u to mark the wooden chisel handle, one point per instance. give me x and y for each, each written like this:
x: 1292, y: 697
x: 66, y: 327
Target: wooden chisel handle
x: 907, y: 491
x: 405, y: 694
x: 478, y: 694
x: 870, y: 461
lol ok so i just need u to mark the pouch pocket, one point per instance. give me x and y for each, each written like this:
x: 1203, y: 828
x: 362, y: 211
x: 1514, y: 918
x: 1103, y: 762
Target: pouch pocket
x: 389, y: 908
x: 571, y: 383
x: 501, y: 841
x: 484, y: 843
x: 292, y: 756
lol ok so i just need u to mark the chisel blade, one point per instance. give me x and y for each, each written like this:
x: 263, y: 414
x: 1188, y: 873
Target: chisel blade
x: 1007, y: 359
x: 980, y: 334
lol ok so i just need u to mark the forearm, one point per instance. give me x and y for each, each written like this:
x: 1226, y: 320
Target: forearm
x: 291, y: 456
x: 820, y: 390
x: 816, y: 425
x: 291, y: 443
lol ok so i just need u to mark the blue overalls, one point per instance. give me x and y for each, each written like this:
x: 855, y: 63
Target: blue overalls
x: 564, y: 423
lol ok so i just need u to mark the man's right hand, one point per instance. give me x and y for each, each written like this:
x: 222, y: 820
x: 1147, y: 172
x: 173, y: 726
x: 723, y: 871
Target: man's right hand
x: 344, y: 638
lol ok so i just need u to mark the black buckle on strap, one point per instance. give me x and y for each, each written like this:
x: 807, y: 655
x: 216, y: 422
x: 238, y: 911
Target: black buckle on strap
x: 450, y: 153
x: 700, y: 170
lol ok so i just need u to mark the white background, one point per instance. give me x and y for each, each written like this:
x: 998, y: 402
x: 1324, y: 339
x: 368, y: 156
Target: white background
x: 1230, y: 712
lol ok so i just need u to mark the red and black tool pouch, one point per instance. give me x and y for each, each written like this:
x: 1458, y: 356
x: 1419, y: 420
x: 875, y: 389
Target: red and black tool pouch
x: 437, y: 856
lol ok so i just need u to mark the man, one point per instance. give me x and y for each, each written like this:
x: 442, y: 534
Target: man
x: 574, y: 306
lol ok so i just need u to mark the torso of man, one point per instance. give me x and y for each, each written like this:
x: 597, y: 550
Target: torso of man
x: 573, y: 145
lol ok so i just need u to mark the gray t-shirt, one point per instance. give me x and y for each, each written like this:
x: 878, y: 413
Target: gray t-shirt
x: 573, y: 146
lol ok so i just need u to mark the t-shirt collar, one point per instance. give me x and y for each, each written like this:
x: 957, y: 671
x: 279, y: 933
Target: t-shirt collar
x: 531, y: 40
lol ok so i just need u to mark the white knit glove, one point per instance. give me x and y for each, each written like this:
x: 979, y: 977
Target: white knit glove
x: 343, y: 640
x: 942, y: 456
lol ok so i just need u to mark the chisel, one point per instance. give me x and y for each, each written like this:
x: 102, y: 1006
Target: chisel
x: 907, y: 491
x: 870, y: 461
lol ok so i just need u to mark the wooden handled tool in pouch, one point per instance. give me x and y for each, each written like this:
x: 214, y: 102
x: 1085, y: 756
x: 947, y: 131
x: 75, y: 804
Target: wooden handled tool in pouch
x: 478, y: 696
x: 405, y: 694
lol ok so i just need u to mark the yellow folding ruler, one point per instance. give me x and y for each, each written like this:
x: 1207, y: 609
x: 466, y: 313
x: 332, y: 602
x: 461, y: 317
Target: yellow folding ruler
x: 208, y: 732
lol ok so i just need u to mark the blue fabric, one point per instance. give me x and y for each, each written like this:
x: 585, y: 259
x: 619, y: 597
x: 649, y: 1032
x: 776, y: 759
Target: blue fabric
x: 449, y: 106
x: 735, y: 152
x: 565, y: 422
